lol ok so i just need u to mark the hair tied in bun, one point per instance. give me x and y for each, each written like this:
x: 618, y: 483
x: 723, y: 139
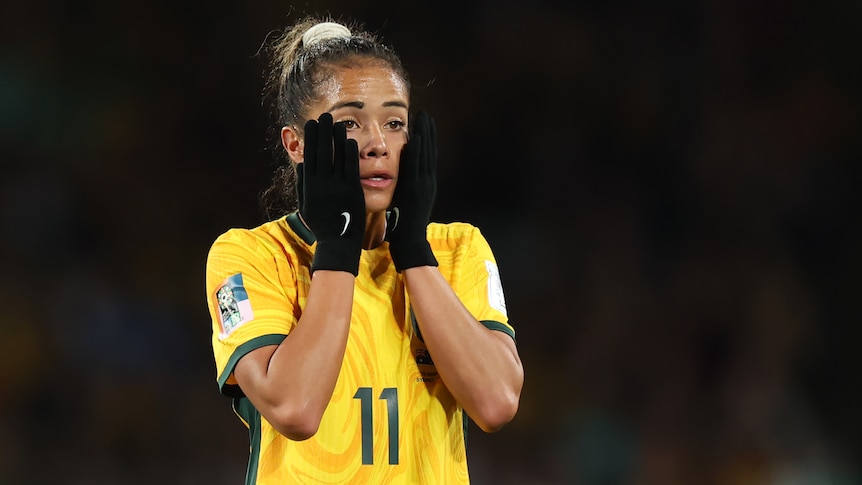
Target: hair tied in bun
x: 323, y: 31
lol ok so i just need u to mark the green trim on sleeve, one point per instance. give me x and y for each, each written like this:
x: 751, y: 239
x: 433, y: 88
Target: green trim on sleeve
x: 255, y: 343
x: 494, y: 325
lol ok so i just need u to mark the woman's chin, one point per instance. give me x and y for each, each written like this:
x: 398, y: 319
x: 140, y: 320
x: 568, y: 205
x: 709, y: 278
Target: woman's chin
x: 377, y: 202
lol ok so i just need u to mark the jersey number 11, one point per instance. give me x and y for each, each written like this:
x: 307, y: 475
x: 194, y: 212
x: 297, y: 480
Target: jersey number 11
x: 390, y: 395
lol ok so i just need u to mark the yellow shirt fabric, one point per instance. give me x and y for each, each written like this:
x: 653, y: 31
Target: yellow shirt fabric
x: 391, y: 419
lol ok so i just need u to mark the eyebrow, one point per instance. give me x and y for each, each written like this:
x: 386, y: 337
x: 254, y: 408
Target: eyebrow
x: 361, y: 104
x: 398, y: 104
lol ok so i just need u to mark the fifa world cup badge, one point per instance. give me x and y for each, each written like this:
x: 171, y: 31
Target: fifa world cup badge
x: 233, y: 304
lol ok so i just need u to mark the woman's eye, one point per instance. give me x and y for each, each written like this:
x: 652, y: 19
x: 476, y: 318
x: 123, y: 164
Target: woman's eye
x: 395, y: 124
x: 349, y: 124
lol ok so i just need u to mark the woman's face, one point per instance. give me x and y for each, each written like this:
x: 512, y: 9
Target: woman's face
x: 372, y: 101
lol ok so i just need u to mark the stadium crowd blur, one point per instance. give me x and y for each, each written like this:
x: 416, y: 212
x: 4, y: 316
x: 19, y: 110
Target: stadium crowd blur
x: 668, y: 188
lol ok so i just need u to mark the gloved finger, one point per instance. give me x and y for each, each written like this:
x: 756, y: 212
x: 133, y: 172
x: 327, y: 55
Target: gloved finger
x: 309, y: 154
x: 411, y: 158
x: 420, y: 124
x: 339, y: 137
x: 421, y: 138
x: 324, y: 145
x: 299, y: 185
x: 351, y: 161
x: 431, y: 144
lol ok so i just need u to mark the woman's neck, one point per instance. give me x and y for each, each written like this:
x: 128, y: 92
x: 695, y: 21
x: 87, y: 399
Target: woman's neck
x: 375, y: 229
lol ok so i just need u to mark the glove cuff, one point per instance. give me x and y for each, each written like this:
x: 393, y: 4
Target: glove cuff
x: 341, y: 255
x: 411, y: 254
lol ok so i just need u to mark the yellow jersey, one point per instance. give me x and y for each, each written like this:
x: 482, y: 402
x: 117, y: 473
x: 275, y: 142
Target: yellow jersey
x: 391, y: 419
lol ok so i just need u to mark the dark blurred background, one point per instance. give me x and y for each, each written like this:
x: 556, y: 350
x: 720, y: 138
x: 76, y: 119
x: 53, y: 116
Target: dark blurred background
x: 669, y: 188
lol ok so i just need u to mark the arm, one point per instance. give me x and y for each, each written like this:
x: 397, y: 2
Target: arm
x: 481, y: 367
x: 292, y: 383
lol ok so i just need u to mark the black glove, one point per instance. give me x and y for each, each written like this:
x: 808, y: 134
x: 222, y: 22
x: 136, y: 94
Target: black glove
x: 333, y: 203
x: 414, y: 197
x: 297, y: 185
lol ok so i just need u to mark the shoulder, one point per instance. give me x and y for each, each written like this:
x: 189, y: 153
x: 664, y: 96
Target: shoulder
x: 453, y: 234
x: 270, y: 237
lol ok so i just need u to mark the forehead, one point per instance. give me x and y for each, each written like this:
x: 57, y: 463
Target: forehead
x: 367, y: 82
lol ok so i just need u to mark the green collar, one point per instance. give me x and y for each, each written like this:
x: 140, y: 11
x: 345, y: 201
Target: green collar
x: 299, y: 227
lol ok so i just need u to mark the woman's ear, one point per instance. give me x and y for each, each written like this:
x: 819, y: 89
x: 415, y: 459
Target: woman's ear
x: 292, y: 142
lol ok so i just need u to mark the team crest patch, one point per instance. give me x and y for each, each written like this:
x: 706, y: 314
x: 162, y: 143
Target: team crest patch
x: 423, y: 357
x: 233, y: 304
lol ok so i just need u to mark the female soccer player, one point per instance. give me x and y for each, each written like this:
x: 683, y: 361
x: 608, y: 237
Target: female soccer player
x: 353, y: 334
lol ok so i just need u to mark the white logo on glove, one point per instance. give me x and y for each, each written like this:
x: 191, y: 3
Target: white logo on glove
x: 396, y: 212
x: 346, y: 216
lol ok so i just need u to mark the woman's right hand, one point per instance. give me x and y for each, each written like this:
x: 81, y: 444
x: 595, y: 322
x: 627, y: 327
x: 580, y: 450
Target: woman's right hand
x: 333, y: 204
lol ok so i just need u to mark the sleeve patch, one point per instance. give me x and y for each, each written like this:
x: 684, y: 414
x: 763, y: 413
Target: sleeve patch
x: 233, y: 304
x: 495, y: 288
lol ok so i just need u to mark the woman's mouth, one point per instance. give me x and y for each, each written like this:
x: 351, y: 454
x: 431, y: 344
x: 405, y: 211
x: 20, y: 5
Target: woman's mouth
x: 376, y: 181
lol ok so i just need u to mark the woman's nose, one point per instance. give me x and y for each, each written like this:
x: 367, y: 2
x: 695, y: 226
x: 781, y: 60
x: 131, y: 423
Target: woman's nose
x: 375, y: 144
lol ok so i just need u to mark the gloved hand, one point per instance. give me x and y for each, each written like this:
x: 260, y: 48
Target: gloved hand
x: 333, y: 203
x: 414, y: 197
x: 298, y: 186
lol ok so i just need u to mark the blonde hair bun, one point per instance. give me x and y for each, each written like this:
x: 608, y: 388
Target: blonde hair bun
x: 323, y: 31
